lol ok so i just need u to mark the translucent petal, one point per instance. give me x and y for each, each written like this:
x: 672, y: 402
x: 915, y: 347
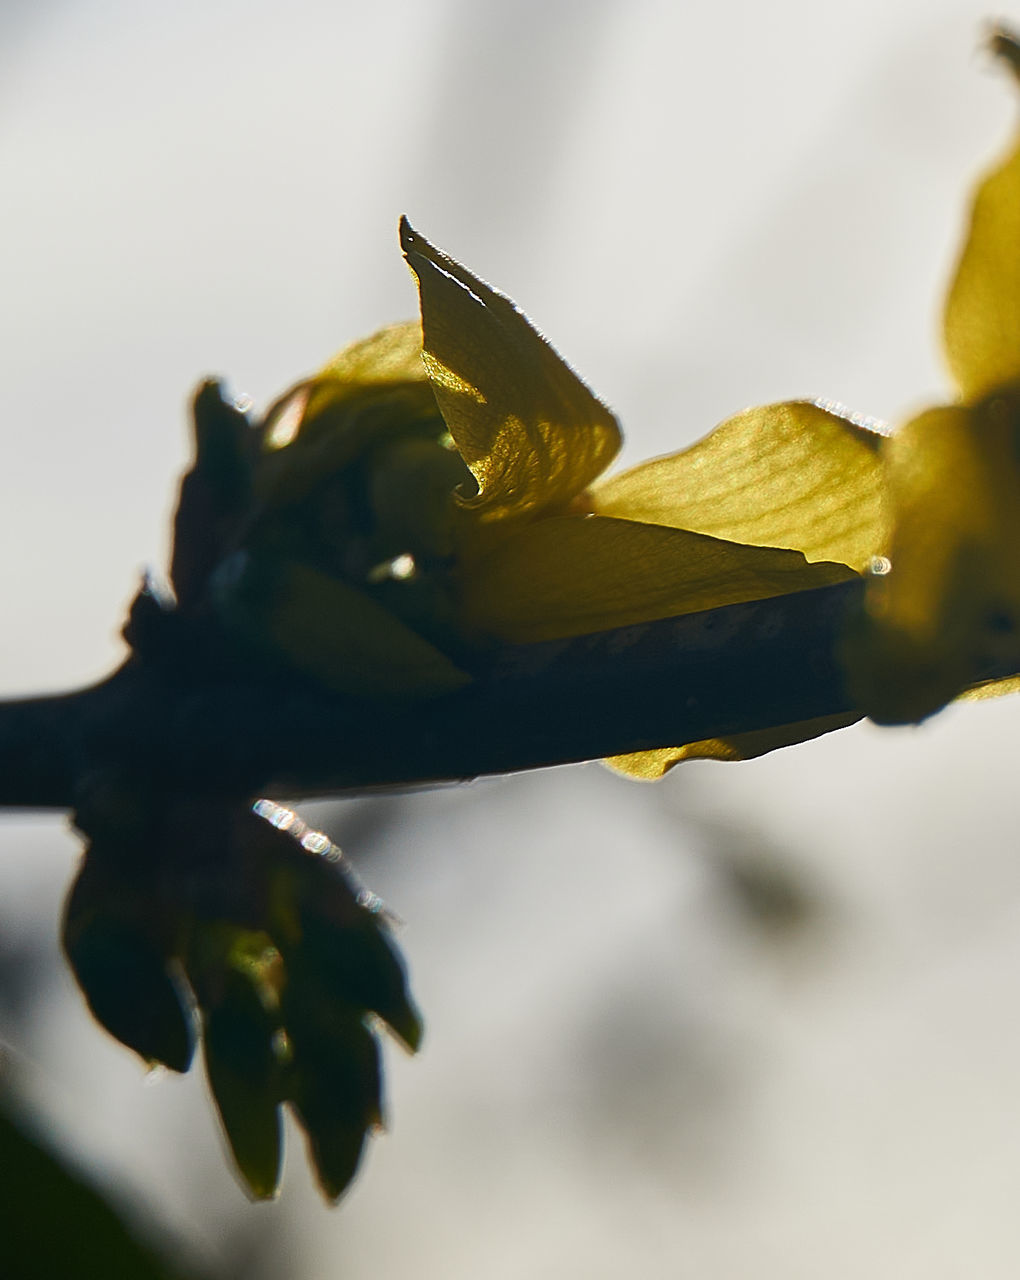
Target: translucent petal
x: 569, y: 575
x: 388, y: 356
x: 651, y: 765
x: 991, y: 689
x: 982, y: 319
x: 530, y: 430
x: 948, y: 614
x: 795, y: 475
x: 374, y: 387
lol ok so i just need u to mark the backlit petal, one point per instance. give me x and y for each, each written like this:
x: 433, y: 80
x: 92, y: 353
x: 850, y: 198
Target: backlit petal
x: 793, y: 475
x: 532, y: 433
x: 569, y: 575
x: 948, y: 614
x: 982, y: 320
x: 390, y: 355
x: 651, y: 765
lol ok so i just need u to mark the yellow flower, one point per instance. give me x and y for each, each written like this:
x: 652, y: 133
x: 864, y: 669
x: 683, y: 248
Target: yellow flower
x: 948, y: 613
x: 779, y: 499
x: 441, y: 488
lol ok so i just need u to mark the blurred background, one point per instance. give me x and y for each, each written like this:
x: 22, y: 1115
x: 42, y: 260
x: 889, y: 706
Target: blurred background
x: 757, y: 1019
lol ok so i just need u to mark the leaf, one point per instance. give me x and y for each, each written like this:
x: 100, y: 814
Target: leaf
x: 532, y: 433
x: 123, y: 973
x: 339, y: 968
x: 571, y: 575
x: 948, y: 613
x: 236, y: 974
x: 328, y: 926
x: 53, y: 1224
x: 982, y: 318
x: 361, y: 967
x: 335, y: 1081
x: 795, y: 475
x: 243, y: 1072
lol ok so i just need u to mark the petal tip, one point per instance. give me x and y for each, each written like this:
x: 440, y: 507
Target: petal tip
x: 1004, y: 43
x: 406, y: 231
x: 410, y: 240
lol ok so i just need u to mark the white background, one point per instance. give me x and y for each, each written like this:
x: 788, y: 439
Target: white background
x: 627, y: 1070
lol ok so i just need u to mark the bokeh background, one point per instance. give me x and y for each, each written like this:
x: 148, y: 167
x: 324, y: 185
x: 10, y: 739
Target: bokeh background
x: 757, y: 1020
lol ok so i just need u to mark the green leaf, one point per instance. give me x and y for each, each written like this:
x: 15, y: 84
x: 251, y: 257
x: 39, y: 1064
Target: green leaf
x: 242, y: 1064
x: 334, y: 1083
x: 123, y: 972
x: 358, y: 962
x: 236, y: 974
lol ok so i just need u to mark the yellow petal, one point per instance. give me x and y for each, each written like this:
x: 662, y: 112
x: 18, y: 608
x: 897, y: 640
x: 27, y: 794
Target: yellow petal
x: 532, y: 433
x: 342, y: 429
x: 982, y: 320
x: 651, y: 765
x: 373, y: 388
x: 391, y: 355
x: 991, y: 689
x: 569, y: 575
x: 948, y: 614
x: 795, y: 475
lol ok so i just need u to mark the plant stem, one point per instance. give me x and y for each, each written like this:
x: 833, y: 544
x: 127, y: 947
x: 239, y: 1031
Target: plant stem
x: 736, y: 669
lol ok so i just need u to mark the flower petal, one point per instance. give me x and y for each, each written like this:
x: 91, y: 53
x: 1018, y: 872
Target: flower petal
x: 948, y: 614
x: 372, y: 389
x: 390, y: 357
x: 386, y: 357
x: 982, y: 319
x: 652, y: 765
x: 532, y: 433
x: 570, y: 575
x: 796, y: 475
x: 342, y: 428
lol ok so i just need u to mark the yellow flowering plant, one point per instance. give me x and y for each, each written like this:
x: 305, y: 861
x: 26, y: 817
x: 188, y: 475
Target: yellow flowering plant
x: 439, y: 489
x: 418, y: 564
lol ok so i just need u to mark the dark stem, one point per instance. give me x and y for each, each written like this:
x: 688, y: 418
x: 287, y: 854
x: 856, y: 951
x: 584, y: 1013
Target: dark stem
x: 731, y: 670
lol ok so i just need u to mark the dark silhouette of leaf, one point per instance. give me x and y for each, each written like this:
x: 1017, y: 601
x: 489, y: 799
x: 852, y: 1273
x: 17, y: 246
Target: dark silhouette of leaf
x: 54, y: 1225
x: 124, y: 975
